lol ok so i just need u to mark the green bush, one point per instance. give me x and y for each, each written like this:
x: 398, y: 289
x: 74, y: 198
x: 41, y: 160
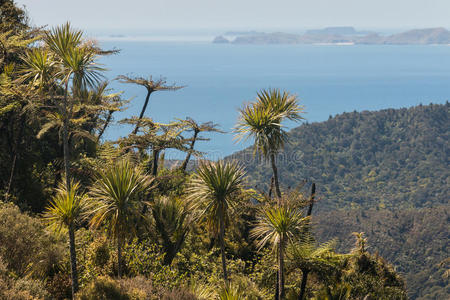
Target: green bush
x: 34, y: 287
x: 136, y: 288
x: 179, y: 294
x: 24, y: 242
x: 103, y: 288
x: 60, y: 286
x: 145, y: 259
x: 22, y: 289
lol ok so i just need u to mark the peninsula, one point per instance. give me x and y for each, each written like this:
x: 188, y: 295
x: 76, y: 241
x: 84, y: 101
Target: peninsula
x: 342, y: 35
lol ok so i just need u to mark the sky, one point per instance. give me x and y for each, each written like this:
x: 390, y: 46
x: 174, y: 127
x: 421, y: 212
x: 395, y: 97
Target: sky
x: 190, y: 15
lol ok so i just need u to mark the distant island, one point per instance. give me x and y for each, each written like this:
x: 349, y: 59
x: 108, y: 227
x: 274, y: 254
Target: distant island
x: 340, y: 36
x: 343, y: 30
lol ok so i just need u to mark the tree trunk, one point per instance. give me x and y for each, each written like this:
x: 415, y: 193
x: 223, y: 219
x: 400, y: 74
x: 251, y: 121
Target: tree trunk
x: 303, y: 285
x: 14, y: 161
x: 272, y: 183
x: 11, y: 176
x: 119, y: 256
x: 222, y: 249
x: 275, y: 177
x: 155, y: 162
x: 66, y: 137
x: 277, y: 286
x: 149, y: 92
x: 188, y: 155
x: 280, y: 270
x: 107, y: 121
x: 306, y: 272
x: 73, y: 261
x: 311, y: 199
x: 170, y: 248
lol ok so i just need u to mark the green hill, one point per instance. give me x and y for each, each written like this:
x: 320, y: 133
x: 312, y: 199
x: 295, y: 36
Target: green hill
x: 394, y: 158
x: 385, y: 173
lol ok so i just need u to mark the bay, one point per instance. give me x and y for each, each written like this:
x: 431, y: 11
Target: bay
x: 328, y: 80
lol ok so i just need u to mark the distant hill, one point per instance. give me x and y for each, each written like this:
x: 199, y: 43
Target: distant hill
x: 268, y: 38
x: 420, y: 37
x: 333, y: 30
x: 347, y: 35
x: 252, y: 32
x: 343, y: 30
x: 386, y: 173
x: 221, y: 40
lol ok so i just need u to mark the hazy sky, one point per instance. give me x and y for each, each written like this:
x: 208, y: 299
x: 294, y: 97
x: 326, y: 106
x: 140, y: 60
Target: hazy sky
x: 239, y: 14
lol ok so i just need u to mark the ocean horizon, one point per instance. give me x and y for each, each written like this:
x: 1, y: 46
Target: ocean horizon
x: 219, y: 78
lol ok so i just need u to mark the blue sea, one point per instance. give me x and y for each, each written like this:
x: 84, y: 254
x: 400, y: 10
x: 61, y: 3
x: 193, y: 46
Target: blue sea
x: 328, y: 80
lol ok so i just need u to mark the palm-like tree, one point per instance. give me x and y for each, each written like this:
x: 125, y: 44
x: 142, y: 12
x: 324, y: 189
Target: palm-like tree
x: 262, y: 121
x: 68, y: 65
x: 116, y: 195
x: 360, y: 243
x: 40, y: 68
x: 76, y: 63
x: 67, y: 209
x: 217, y: 186
x: 173, y: 217
x: 310, y: 258
x: 278, y: 226
x: 197, y: 128
x: 155, y: 136
x: 151, y: 86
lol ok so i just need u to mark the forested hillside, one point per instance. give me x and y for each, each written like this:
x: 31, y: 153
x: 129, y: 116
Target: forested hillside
x: 394, y: 158
x: 385, y: 173
x: 415, y: 241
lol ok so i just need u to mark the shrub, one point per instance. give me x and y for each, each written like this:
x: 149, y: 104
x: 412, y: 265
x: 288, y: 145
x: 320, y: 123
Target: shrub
x: 24, y: 243
x: 18, y: 290
x: 96, y: 259
x: 148, y: 261
x: 103, y: 288
x: 179, y: 294
x: 138, y: 288
x: 60, y: 286
x: 34, y: 287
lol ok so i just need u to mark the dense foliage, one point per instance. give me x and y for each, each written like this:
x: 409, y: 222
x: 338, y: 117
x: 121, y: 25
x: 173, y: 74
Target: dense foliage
x: 385, y: 173
x: 85, y: 218
x: 394, y: 158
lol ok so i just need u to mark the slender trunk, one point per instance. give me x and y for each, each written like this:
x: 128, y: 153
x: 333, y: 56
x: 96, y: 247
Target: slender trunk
x: 277, y: 286
x: 66, y: 137
x: 188, y: 155
x: 280, y: 269
x: 162, y: 160
x: 272, y: 183
x: 311, y: 199
x: 149, y: 92
x: 119, y: 256
x: 306, y: 272
x: 222, y: 249
x: 155, y: 162
x: 303, y: 285
x: 170, y: 248
x: 14, y: 161
x: 275, y: 177
x: 11, y: 175
x: 73, y: 261
x: 107, y: 121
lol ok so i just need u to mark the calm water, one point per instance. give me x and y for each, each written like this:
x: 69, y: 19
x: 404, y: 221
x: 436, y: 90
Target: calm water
x: 328, y: 80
